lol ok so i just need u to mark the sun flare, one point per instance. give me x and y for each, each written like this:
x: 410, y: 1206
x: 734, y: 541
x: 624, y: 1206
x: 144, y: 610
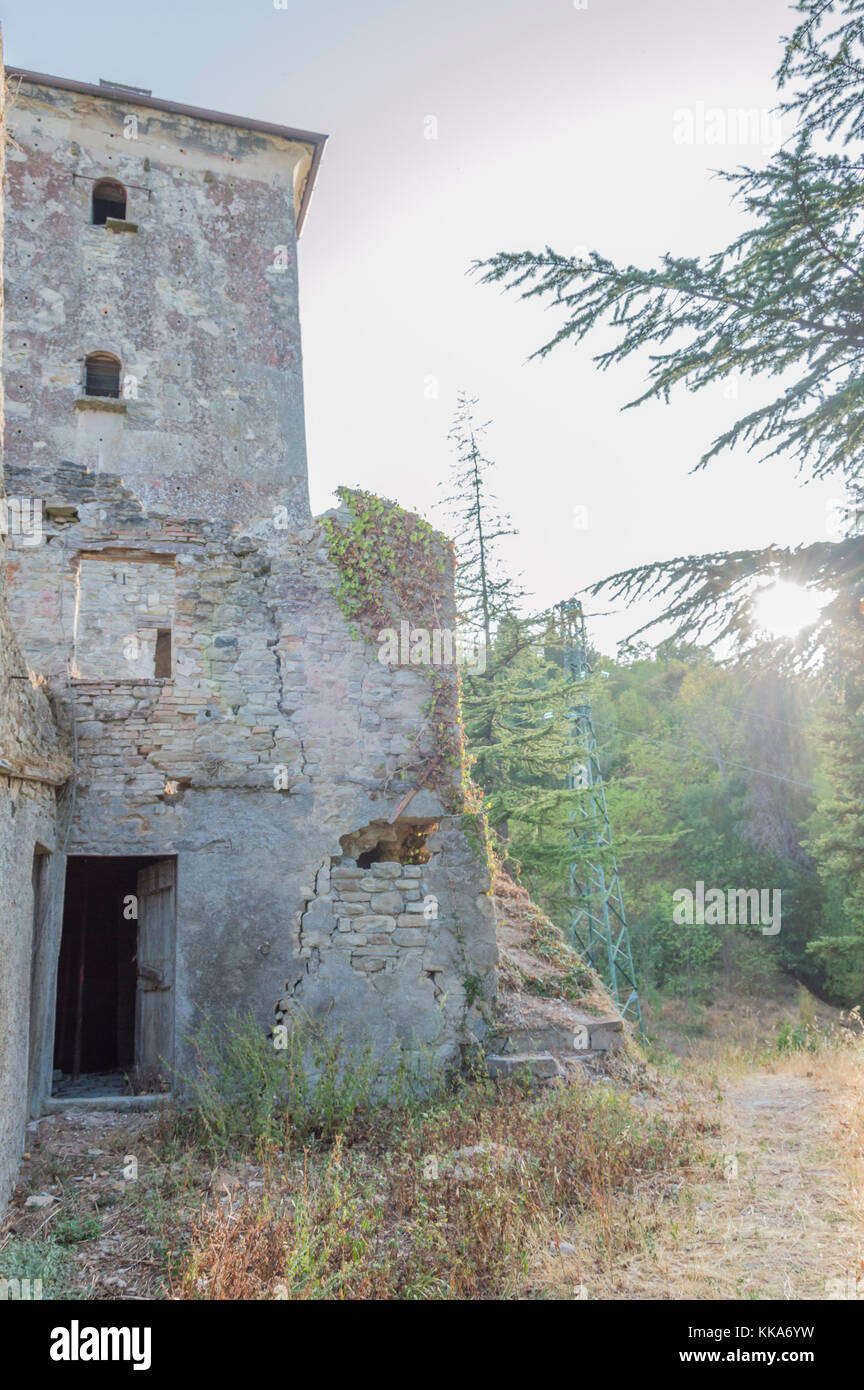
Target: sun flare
x: 784, y: 609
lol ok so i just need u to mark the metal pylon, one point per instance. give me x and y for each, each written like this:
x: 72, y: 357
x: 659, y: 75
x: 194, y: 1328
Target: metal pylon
x: 598, y: 924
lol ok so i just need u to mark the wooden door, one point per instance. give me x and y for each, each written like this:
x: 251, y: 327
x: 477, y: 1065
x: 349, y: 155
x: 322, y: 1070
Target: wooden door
x: 154, y: 1004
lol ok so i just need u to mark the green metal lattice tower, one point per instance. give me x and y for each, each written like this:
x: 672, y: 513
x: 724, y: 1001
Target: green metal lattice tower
x: 598, y: 923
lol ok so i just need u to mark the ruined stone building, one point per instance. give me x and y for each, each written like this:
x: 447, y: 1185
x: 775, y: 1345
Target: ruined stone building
x: 232, y: 803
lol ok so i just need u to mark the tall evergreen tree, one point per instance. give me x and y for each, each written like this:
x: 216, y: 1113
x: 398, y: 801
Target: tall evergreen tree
x: 837, y: 843
x: 786, y: 297
x: 514, y: 709
x: 484, y: 590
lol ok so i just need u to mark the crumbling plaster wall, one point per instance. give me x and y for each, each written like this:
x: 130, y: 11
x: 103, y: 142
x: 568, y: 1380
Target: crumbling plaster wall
x: 278, y: 735
x: 32, y: 767
x: 279, y: 732
x: 199, y: 304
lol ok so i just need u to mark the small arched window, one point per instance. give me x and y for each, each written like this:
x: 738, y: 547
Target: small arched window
x: 102, y: 375
x: 109, y: 200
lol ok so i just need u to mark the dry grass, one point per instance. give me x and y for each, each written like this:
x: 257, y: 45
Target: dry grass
x: 104, y: 1230
x: 534, y: 957
x: 453, y: 1209
x: 736, y: 1030
x: 612, y: 1189
x: 840, y: 1072
x: 440, y: 1198
x: 788, y: 1224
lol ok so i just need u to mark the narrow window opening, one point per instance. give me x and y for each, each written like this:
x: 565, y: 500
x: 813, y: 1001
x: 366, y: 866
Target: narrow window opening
x: 109, y: 200
x: 162, y: 660
x: 102, y: 375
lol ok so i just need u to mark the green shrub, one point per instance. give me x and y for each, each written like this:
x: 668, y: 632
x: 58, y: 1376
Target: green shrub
x: 248, y: 1095
x: 77, y: 1226
x: 797, y: 1037
x: 44, y: 1259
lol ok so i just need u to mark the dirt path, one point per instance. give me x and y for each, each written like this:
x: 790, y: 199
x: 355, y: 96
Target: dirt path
x: 781, y: 1213
x: 777, y: 1211
x: 785, y: 1222
x: 793, y: 1214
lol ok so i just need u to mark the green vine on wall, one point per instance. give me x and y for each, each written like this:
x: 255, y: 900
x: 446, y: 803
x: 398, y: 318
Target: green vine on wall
x: 392, y: 566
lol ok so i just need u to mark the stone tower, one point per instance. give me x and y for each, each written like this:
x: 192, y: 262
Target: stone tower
x: 261, y: 815
x: 165, y: 239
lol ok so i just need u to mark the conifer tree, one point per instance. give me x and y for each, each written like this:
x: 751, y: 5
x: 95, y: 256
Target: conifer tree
x: 837, y: 843
x: 514, y: 709
x: 484, y: 591
x: 786, y: 298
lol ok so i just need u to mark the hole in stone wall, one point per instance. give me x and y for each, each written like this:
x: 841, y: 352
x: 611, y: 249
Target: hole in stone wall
x: 60, y: 513
x: 382, y: 842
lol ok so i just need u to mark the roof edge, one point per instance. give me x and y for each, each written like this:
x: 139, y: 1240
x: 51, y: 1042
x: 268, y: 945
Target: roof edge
x: 300, y: 137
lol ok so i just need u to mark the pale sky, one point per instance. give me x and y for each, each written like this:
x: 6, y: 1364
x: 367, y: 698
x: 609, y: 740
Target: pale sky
x: 555, y: 125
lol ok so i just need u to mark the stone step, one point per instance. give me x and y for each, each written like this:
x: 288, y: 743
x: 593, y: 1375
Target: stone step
x: 539, y: 1066
x: 606, y: 1033
x: 575, y: 1060
x: 68, y: 1105
x: 596, y: 1036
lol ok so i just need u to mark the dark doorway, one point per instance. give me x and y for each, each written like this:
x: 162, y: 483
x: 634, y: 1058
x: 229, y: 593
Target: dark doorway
x: 102, y: 974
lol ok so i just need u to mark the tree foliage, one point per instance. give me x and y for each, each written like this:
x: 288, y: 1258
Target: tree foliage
x: 784, y: 301
x: 698, y: 788
x: 837, y: 842
x: 484, y: 589
x: 514, y: 709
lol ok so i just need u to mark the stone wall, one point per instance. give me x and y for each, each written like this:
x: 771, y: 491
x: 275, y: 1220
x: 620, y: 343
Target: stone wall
x: 32, y: 767
x: 122, y: 605
x: 278, y: 737
x: 278, y: 742
x: 198, y: 302
x: 420, y: 936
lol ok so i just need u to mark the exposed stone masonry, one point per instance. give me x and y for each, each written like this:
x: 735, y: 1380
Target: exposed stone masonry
x: 180, y: 611
x: 33, y: 766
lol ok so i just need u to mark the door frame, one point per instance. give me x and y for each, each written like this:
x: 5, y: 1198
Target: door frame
x: 42, y: 1065
x: 156, y: 975
x: 49, y: 892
